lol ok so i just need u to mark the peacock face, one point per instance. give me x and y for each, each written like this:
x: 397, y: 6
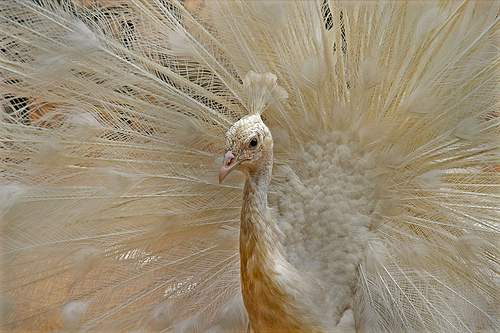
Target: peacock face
x: 248, y: 145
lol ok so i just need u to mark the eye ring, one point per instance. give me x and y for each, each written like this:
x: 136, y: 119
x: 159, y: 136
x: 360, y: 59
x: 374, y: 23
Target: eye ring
x: 253, y: 143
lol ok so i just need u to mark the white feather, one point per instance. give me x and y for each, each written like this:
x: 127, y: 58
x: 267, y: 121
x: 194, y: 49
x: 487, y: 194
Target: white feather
x: 385, y: 121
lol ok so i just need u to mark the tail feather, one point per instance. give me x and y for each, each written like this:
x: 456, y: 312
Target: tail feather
x: 113, y: 215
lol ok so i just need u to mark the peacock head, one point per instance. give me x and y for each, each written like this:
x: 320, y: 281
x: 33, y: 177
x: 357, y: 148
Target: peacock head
x: 249, y: 145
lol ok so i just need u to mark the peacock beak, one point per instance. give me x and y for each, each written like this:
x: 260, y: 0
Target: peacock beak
x: 230, y: 163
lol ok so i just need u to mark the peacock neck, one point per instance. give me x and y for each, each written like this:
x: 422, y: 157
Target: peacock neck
x: 256, y: 187
x: 258, y: 232
x: 271, y: 287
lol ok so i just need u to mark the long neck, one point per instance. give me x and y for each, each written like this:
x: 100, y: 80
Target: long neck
x: 258, y: 231
x: 269, y: 283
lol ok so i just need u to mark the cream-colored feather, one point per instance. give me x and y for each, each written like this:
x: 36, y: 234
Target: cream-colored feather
x: 385, y: 189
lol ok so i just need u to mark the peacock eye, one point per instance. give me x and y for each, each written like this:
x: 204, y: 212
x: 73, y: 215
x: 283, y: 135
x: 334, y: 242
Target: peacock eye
x: 254, y: 142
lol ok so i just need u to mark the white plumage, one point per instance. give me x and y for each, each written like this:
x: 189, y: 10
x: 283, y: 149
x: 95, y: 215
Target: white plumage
x: 385, y: 190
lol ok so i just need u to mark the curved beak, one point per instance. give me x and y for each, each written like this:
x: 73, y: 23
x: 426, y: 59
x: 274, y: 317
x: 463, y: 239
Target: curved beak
x: 230, y: 163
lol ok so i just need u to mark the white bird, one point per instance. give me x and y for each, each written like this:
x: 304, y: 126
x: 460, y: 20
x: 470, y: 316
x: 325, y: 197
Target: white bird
x: 367, y: 132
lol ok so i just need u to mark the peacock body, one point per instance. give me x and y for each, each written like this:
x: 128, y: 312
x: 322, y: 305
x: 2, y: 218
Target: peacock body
x: 380, y: 204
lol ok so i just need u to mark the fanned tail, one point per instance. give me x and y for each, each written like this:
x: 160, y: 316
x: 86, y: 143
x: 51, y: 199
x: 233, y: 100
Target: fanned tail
x: 111, y: 133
